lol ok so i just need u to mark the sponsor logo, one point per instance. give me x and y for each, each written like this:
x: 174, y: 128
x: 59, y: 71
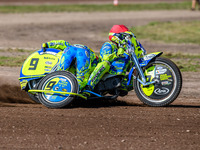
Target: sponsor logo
x: 52, y: 53
x: 165, y: 77
x: 49, y: 58
x: 161, y: 91
x: 161, y: 71
x: 55, y: 43
x: 98, y: 74
x: 159, y: 67
x: 47, y: 66
x: 87, y: 54
x: 46, y: 70
x: 63, y: 83
x: 106, y: 47
x: 48, y: 62
x: 23, y: 83
x: 61, y: 79
x: 165, y: 83
x: 149, y: 56
x: 79, y: 46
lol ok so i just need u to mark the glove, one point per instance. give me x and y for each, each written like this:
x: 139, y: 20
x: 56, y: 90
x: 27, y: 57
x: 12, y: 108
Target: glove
x: 115, y: 39
x: 122, y: 44
x: 109, y: 57
x: 120, y: 52
x: 44, y: 46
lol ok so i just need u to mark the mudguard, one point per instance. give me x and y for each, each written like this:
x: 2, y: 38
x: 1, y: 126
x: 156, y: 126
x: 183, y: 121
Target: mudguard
x: 38, y: 64
x: 144, y: 61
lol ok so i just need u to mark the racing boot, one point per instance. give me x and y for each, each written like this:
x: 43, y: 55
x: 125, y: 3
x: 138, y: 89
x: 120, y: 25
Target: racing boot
x: 86, y: 94
x: 123, y: 91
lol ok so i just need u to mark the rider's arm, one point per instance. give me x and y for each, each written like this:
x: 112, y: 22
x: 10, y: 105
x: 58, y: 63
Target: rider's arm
x: 139, y: 49
x: 57, y: 44
x: 107, y: 52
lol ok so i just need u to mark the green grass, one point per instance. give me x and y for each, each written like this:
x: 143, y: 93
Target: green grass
x: 185, y: 62
x: 12, y: 61
x: 180, y: 56
x: 16, y: 59
x: 188, y: 66
x: 15, y: 50
x: 170, y: 32
x: 91, y: 8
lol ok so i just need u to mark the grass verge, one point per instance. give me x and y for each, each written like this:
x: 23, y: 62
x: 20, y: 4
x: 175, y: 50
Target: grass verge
x: 185, y: 62
x: 12, y: 61
x: 18, y: 56
x: 170, y: 32
x: 91, y: 8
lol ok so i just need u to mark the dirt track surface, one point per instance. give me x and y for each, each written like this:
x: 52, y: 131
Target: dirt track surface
x: 125, y: 124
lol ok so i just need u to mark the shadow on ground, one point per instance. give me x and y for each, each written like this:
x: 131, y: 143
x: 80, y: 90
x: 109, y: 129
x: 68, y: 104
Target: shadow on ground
x: 14, y: 95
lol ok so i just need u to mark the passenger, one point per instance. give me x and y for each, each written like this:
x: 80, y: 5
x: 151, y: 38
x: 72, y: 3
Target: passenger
x: 84, y: 57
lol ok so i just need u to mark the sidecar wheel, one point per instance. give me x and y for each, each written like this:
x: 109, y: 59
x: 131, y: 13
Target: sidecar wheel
x: 59, y: 81
x: 168, y: 83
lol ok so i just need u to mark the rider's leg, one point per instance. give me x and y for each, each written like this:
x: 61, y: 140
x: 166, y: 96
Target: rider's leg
x: 124, y: 88
x: 66, y: 59
x: 83, y: 66
x: 98, y: 73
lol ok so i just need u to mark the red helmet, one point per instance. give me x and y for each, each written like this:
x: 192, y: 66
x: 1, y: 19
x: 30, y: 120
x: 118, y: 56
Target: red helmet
x: 117, y: 29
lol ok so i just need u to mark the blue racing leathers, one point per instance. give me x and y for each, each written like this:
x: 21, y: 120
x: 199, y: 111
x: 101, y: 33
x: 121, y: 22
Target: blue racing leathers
x: 78, y: 59
x: 85, y: 62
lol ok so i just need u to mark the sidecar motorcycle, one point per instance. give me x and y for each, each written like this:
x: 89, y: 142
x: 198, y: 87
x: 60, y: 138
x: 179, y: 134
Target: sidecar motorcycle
x: 157, y: 81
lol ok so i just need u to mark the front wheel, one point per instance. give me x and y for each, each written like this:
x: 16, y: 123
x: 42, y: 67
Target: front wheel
x: 58, y: 82
x: 168, y: 83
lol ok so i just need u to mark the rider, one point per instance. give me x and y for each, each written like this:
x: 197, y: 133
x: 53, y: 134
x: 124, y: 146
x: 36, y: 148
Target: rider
x: 114, y: 57
x: 85, y: 59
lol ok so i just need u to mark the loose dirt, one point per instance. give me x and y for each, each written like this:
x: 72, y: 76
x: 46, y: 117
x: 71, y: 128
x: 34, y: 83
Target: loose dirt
x: 113, y: 125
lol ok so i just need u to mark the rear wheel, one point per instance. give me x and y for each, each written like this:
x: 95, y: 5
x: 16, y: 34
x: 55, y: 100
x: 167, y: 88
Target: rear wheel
x: 168, y: 83
x: 59, y: 81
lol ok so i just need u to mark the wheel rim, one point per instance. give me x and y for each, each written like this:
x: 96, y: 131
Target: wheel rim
x: 57, y: 83
x: 167, y: 83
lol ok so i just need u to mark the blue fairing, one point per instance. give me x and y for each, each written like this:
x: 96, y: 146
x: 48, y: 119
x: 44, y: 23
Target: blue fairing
x: 49, y: 50
x: 144, y: 61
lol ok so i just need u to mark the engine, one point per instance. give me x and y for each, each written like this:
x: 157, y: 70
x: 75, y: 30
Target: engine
x: 108, y: 85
